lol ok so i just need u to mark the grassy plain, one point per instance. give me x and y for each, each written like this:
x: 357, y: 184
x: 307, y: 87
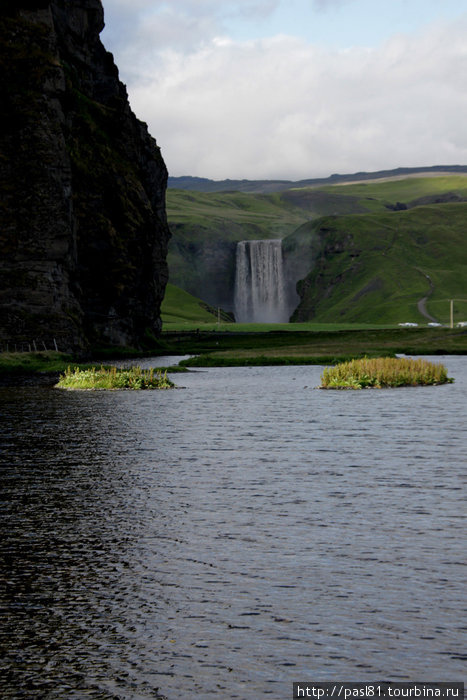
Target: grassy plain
x: 377, y: 195
x: 311, y: 347
x: 224, y: 211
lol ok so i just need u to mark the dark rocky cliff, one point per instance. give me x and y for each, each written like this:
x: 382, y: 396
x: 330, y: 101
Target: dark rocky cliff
x: 83, y: 231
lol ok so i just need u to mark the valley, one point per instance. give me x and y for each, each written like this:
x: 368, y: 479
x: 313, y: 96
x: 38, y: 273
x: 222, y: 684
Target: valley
x: 381, y: 250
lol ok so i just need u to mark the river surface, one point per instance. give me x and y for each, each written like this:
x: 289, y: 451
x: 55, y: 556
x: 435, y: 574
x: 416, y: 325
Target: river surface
x: 226, y: 539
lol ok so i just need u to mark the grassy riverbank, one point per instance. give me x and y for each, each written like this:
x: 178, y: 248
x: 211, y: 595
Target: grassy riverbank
x: 33, y: 362
x: 308, y: 347
x: 274, y: 347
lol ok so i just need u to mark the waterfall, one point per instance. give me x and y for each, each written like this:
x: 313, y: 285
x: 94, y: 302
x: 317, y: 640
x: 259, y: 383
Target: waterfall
x: 260, y: 290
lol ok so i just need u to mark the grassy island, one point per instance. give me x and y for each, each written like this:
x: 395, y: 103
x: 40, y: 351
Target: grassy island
x: 113, y: 378
x: 383, y: 372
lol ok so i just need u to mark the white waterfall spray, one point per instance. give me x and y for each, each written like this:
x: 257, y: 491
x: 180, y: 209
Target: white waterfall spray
x: 260, y: 290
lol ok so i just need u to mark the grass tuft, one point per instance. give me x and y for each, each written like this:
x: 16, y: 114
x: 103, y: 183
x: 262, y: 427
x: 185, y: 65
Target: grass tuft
x: 383, y: 372
x: 113, y: 378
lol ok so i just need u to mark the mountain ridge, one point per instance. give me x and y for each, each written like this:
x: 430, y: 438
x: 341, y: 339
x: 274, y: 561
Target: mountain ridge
x: 201, y: 184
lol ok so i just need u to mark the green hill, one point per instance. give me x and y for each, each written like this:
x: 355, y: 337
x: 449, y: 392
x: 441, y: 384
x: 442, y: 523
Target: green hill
x: 364, y: 251
x: 180, y: 307
x: 377, y: 267
x: 393, y: 192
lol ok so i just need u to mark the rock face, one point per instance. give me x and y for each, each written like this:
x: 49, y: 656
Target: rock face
x: 83, y: 230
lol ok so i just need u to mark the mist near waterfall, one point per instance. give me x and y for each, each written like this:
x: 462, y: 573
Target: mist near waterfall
x: 260, y: 285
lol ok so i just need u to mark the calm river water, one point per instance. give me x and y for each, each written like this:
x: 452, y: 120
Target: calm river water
x: 229, y: 538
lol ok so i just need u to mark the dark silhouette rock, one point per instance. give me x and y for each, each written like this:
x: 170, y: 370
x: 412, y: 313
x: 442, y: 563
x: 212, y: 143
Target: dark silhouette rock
x: 83, y: 230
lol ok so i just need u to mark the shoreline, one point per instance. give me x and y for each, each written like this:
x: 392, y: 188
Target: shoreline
x: 218, y: 349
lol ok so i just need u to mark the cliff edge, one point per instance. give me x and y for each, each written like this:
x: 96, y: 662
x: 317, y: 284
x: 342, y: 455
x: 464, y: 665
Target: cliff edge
x: 83, y: 229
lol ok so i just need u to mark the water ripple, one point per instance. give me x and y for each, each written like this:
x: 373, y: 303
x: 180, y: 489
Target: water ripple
x: 228, y: 539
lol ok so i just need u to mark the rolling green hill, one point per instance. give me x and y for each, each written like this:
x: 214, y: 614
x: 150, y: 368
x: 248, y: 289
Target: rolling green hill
x: 203, y: 184
x: 411, y: 192
x: 364, y: 251
x: 377, y: 267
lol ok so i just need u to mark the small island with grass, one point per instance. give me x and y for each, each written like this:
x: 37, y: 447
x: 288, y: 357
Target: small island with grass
x: 383, y: 372
x: 113, y: 378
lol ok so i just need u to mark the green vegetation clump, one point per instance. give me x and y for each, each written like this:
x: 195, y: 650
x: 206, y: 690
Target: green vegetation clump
x: 383, y: 372
x: 113, y: 378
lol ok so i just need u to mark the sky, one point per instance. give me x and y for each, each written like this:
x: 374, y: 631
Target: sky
x: 295, y: 89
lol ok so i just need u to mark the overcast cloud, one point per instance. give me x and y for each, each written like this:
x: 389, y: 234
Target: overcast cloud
x: 282, y: 106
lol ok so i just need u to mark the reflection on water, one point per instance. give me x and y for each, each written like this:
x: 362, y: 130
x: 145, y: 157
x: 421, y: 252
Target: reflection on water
x: 230, y: 538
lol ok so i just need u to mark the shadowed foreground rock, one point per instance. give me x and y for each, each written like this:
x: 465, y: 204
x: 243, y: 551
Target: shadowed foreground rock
x: 83, y: 231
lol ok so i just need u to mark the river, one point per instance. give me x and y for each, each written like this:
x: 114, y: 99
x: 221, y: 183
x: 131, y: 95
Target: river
x: 226, y: 539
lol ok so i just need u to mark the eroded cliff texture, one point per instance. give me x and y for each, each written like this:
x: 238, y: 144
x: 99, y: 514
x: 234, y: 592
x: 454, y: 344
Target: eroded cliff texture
x: 83, y: 230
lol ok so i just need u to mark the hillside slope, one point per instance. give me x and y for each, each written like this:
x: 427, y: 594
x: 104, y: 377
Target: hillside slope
x: 205, y: 231
x: 181, y: 307
x: 377, y: 267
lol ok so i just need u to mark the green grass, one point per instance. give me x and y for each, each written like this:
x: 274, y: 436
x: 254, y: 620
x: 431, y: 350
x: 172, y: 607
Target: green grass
x: 185, y: 324
x: 226, y: 211
x: 180, y: 308
x: 374, y: 196
x: 264, y: 360
x: 376, y: 267
x: 318, y: 347
x: 33, y: 362
x: 383, y: 372
x: 54, y: 363
x: 326, y: 344
x: 220, y: 213
x: 113, y: 378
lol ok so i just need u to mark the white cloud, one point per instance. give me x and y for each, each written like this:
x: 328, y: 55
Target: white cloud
x: 132, y: 19
x: 139, y: 31
x: 283, y: 108
x: 328, y: 4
